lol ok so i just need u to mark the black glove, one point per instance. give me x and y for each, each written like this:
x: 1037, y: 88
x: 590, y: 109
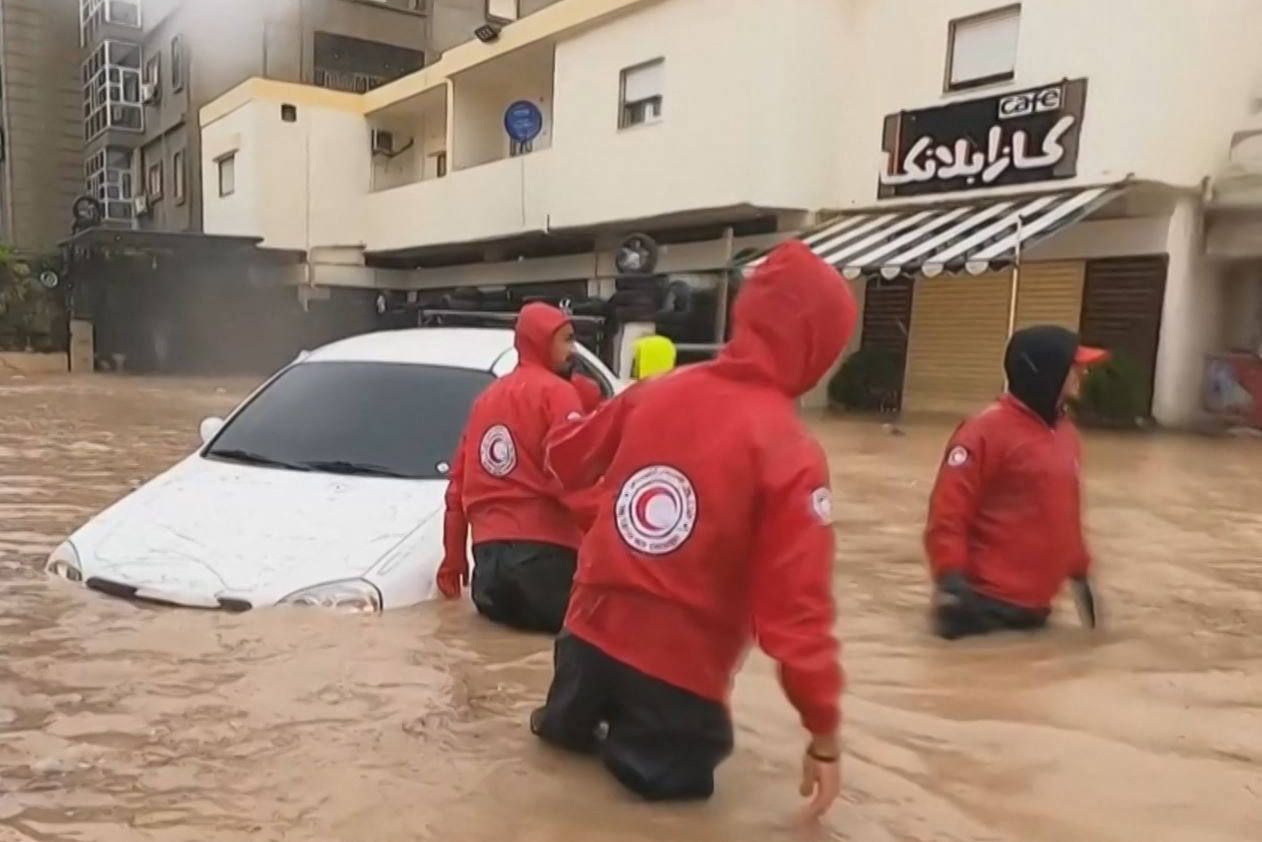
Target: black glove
x: 1086, y: 602
x: 953, y: 589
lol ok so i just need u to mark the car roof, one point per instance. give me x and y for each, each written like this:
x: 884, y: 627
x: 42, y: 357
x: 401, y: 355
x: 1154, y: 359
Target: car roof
x: 458, y: 347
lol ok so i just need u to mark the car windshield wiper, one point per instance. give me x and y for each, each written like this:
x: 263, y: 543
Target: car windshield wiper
x: 364, y: 469
x: 251, y: 458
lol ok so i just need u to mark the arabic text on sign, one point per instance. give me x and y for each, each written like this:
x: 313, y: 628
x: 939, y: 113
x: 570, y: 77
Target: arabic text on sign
x: 926, y: 160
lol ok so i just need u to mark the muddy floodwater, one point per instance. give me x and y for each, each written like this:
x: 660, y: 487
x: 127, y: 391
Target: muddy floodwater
x: 122, y: 721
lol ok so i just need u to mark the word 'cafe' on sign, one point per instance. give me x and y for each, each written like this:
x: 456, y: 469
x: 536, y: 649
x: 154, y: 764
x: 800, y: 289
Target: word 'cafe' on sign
x: 1010, y: 139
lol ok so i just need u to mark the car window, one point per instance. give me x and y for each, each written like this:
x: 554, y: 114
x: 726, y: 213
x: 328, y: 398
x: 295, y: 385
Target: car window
x: 366, y: 418
x: 584, y: 367
x: 585, y: 362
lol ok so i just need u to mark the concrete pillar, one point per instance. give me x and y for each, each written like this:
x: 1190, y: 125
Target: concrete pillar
x: 1191, y: 319
x: 82, y: 347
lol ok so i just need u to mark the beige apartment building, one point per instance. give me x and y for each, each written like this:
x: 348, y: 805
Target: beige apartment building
x: 156, y: 285
x: 969, y: 165
x: 41, y: 149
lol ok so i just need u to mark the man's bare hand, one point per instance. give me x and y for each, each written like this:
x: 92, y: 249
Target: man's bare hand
x: 821, y: 775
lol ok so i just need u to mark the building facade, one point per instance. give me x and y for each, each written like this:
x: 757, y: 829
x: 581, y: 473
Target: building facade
x: 146, y: 68
x: 970, y: 166
x: 150, y: 65
x: 41, y: 153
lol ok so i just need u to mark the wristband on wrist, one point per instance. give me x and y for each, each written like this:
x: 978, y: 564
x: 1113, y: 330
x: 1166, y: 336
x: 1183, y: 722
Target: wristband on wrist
x: 820, y: 757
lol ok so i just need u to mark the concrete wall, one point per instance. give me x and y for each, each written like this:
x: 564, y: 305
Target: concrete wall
x: 480, y: 97
x: 1242, y: 300
x: 286, y: 189
x: 1191, y: 320
x: 40, y: 104
x: 1168, y: 82
x: 229, y: 41
x: 738, y: 123
x: 33, y: 364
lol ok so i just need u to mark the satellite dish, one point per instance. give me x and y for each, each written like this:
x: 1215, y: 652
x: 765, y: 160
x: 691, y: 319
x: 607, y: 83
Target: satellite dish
x: 49, y: 279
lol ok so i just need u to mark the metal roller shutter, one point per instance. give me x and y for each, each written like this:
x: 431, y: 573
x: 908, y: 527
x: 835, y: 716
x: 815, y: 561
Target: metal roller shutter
x: 1050, y: 294
x: 1121, y: 310
x: 959, y: 328
x: 887, y: 320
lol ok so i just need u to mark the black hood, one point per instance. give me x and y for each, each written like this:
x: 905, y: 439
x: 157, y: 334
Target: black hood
x: 1037, y: 362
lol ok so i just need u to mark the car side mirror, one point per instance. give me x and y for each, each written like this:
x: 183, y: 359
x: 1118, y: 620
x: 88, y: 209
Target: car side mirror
x: 210, y: 428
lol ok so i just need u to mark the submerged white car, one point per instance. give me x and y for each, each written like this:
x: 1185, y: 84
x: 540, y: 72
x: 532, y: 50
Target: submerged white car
x: 324, y: 487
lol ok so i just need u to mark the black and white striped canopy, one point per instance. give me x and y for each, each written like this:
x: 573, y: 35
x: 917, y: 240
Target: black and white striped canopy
x: 975, y: 237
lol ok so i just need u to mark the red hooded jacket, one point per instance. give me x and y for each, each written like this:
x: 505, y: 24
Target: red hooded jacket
x: 497, y: 484
x: 714, y: 519
x: 1006, y: 510
x: 589, y: 394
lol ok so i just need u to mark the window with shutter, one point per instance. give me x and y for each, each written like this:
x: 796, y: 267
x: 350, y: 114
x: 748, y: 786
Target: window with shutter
x: 642, y: 87
x: 982, y: 49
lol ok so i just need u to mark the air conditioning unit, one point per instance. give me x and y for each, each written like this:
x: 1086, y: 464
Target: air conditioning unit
x: 148, y: 92
x: 140, y: 205
x: 382, y: 142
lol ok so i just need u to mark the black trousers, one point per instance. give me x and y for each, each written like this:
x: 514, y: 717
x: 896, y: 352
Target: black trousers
x: 974, y: 614
x: 523, y: 584
x: 659, y: 741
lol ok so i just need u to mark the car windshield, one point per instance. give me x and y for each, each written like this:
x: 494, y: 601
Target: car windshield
x: 357, y: 418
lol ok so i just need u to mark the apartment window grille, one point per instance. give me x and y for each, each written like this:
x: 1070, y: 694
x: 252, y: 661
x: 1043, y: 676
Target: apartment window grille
x: 342, y: 80
x: 109, y: 180
x: 982, y: 49
x: 111, y: 89
x: 95, y: 14
x: 641, y: 99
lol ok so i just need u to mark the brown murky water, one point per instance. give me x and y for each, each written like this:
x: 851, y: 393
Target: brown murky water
x: 122, y: 722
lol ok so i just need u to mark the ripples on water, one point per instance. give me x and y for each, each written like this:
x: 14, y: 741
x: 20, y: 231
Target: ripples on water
x: 122, y: 722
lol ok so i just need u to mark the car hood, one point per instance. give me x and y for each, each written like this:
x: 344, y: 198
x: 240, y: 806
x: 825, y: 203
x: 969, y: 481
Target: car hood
x: 208, y: 527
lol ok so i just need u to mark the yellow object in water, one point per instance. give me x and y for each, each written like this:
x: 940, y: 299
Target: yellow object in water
x: 651, y: 355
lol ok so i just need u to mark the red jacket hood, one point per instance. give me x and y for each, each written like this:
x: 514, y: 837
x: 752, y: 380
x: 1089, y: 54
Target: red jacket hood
x: 791, y: 320
x: 536, y: 325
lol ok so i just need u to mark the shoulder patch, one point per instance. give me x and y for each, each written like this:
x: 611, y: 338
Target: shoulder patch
x: 822, y: 505
x: 497, y: 452
x: 958, y: 456
x: 656, y: 510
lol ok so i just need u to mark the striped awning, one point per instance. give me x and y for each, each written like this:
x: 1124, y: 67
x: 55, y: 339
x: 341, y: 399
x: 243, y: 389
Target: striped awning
x: 976, y: 238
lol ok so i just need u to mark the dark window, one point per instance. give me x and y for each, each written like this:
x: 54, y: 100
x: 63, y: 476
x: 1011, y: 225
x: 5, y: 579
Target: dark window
x: 178, y: 177
x: 357, y: 65
x: 289, y: 113
x: 154, y: 182
x: 228, y: 175
x: 177, y: 63
x: 356, y: 417
x: 440, y: 164
x: 641, y: 97
x: 153, y: 76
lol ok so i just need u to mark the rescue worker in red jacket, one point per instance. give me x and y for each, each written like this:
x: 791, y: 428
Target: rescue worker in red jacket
x: 525, y: 535
x: 1005, y: 527
x: 713, y: 527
